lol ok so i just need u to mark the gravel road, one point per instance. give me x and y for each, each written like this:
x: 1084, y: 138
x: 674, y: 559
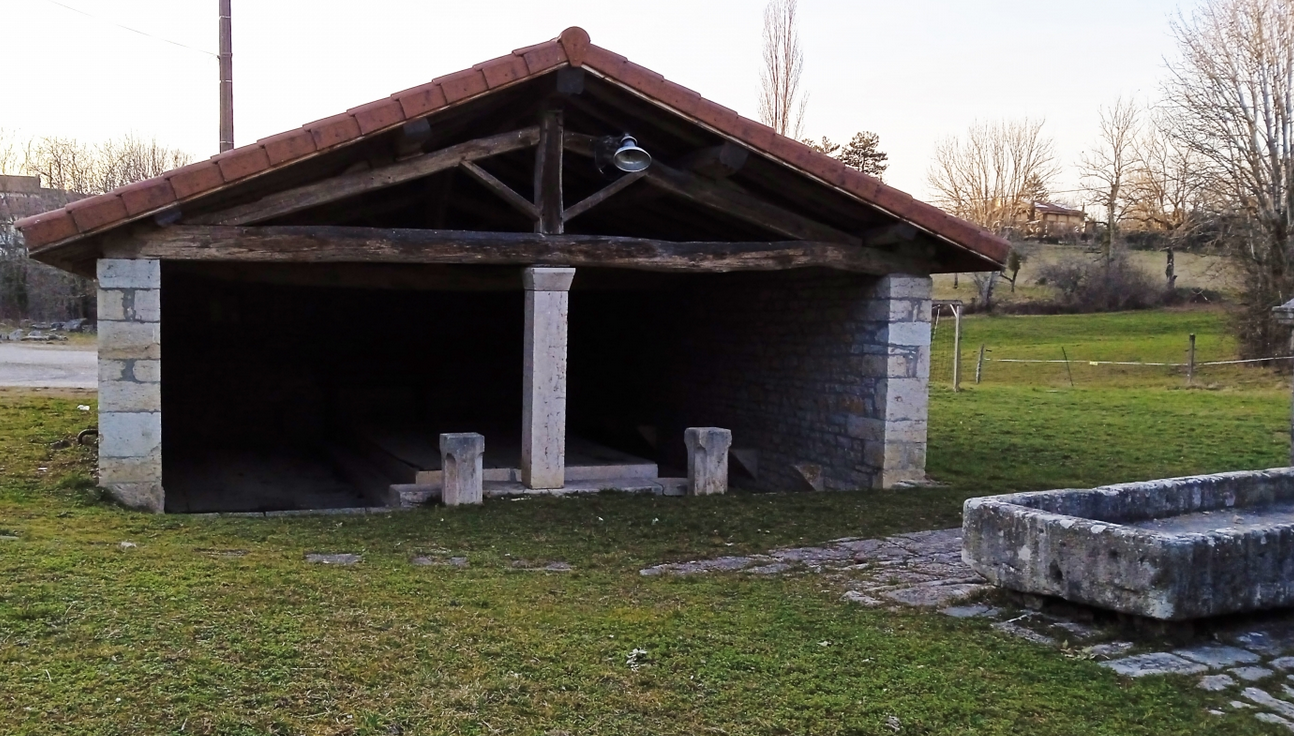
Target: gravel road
x: 48, y: 366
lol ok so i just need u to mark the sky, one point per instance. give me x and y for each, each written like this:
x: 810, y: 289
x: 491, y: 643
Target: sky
x: 913, y: 71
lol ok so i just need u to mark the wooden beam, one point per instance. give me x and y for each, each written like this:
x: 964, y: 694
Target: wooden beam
x: 740, y: 203
x: 326, y: 244
x: 504, y: 191
x: 716, y: 162
x: 548, y: 174
x: 600, y: 196
x: 350, y: 185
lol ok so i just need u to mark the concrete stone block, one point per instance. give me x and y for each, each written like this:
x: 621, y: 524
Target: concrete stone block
x: 130, y: 434
x: 147, y: 306
x: 707, y: 459
x: 130, y: 340
x: 119, y: 470
x: 147, y: 371
x: 461, y: 461
x: 147, y: 496
x: 129, y: 273
x: 909, y: 333
x: 906, y: 398
x: 112, y: 370
x: 129, y: 396
x: 902, y: 286
x: 548, y: 278
x: 112, y: 304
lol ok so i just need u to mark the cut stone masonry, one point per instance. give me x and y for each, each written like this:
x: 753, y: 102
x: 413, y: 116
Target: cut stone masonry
x: 130, y: 388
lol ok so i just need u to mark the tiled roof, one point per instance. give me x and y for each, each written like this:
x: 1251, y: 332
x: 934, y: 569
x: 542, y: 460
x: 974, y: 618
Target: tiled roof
x: 103, y: 212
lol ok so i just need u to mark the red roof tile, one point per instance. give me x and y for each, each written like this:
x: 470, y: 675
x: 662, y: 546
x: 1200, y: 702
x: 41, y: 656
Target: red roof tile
x: 241, y: 162
x: 334, y: 130
x: 147, y: 196
x: 378, y: 115
x: 573, y: 47
x: 288, y: 146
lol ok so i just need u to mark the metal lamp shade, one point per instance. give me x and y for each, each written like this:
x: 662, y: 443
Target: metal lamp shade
x: 629, y: 157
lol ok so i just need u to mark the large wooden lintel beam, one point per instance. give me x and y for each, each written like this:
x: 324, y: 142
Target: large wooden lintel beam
x: 375, y: 245
x: 350, y: 185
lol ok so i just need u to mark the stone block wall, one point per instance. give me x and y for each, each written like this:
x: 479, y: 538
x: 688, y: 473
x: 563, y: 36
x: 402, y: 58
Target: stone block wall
x: 823, y: 373
x: 130, y: 388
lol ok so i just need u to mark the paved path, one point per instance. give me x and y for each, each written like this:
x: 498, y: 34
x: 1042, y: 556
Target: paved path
x: 48, y: 366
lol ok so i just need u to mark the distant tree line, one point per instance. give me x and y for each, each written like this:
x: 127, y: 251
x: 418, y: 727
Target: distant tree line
x: 68, y: 170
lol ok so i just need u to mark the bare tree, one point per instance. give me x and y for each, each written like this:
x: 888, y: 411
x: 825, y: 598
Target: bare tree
x: 781, y: 102
x: 71, y: 165
x: 1106, y: 168
x: 10, y: 153
x: 1165, y: 185
x: 1231, y: 97
x: 988, y: 177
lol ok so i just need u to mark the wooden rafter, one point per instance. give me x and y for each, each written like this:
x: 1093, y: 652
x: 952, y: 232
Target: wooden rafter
x: 329, y: 244
x: 350, y: 185
x: 505, y: 192
x: 600, y: 196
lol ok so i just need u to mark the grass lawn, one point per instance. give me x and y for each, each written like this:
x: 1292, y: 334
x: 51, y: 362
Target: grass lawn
x: 217, y: 626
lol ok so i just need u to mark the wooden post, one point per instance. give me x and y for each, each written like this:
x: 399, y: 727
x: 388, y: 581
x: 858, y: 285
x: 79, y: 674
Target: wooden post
x: 1190, y: 361
x: 957, y: 348
x: 979, y: 365
x: 1068, y: 372
x: 226, y: 59
x: 548, y: 174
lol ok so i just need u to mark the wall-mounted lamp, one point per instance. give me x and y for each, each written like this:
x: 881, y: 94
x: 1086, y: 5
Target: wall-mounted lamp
x: 622, y: 152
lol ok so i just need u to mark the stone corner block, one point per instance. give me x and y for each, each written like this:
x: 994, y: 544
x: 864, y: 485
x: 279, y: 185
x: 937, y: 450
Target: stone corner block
x: 548, y: 278
x: 144, y: 496
x: 462, y: 468
x: 707, y: 459
x: 130, y: 340
x: 904, y: 286
x: 130, y: 434
x: 129, y: 273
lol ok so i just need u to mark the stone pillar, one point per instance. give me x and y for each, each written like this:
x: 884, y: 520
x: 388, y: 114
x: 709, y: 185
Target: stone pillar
x: 898, y: 450
x: 461, y: 466
x: 707, y: 460
x: 130, y: 382
x: 543, y: 407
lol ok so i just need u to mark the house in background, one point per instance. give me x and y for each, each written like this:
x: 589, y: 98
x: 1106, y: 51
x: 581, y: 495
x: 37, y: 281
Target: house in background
x: 1049, y: 221
x: 557, y: 248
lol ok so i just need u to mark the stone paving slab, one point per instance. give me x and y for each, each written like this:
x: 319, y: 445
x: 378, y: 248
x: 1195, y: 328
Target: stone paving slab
x: 333, y: 559
x: 1155, y: 663
x: 1218, y: 656
x: 1251, y: 674
x: 1216, y: 683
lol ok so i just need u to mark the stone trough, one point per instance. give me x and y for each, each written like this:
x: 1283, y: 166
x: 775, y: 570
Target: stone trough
x: 1173, y: 549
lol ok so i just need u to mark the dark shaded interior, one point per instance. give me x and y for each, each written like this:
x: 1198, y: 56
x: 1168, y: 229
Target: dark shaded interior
x: 268, y: 381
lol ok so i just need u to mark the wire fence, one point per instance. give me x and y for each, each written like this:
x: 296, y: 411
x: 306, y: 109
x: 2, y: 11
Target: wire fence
x: 959, y: 357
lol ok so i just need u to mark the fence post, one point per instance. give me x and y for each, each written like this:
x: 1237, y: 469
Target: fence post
x: 1190, y: 361
x: 957, y: 348
x: 979, y: 365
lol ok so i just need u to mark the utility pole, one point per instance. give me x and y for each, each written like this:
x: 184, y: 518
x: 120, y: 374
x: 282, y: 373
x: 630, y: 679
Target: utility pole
x: 226, y: 79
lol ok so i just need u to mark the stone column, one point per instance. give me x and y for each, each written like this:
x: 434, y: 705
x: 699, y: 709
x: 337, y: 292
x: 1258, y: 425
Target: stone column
x: 898, y: 449
x: 543, y: 407
x: 130, y: 382
x: 461, y: 468
x: 707, y: 460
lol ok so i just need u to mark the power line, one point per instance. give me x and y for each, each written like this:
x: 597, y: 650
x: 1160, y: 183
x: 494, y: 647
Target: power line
x: 128, y: 28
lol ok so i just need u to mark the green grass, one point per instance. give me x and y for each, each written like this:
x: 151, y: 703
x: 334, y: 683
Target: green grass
x: 216, y: 626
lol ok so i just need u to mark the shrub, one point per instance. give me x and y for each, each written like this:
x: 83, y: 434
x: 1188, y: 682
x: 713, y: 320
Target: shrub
x: 1086, y: 285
